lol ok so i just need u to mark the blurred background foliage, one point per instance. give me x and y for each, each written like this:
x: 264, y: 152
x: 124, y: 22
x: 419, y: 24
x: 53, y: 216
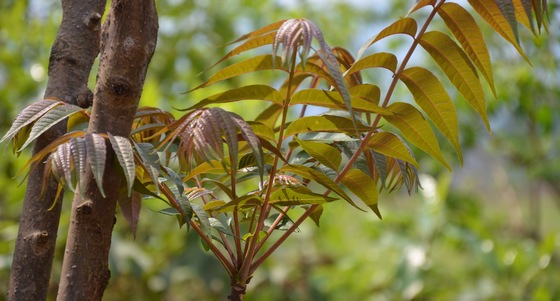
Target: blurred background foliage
x: 489, y: 231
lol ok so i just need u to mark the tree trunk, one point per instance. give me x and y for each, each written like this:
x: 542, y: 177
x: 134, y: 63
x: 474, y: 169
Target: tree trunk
x: 128, y: 41
x: 72, y: 55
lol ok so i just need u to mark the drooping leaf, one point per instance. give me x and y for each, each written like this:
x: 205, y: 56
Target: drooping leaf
x: 508, y: 11
x: 96, y: 154
x: 432, y: 97
x: 29, y: 115
x: 458, y: 68
x: 61, y: 165
x: 324, y: 153
x: 316, y: 214
x: 380, y: 163
x: 524, y: 13
x: 333, y: 100
x: 363, y: 187
x: 324, y: 123
x: 252, y: 140
x: 270, y: 115
x: 125, y: 156
x: 130, y: 205
x: 262, y: 130
x: 390, y: 145
x: 377, y: 60
x: 202, y: 218
x: 260, y: 31
x: 79, y: 155
x: 246, y: 201
x: 415, y: 129
x: 491, y: 13
x: 257, y: 63
x: 405, y: 26
x: 149, y: 159
x: 368, y: 92
x: 257, y: 92
x: 299, y: 195
x: 49, y: 119
x: 468, y: 34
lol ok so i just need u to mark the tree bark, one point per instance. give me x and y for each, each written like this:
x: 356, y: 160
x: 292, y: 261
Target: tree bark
x: 128, y: 41
x: 72, y: 55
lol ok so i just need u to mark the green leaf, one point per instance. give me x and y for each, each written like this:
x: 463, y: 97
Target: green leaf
x: 324, y: 153
x: 415, y: 129
x: 316, y: 214
x: 202, y: 218
x: 97, y: 152
x: 246, y: 201
x: 125, y: 156
x: 405, y: 26
x: 377, y: 60
x: 458, y: 68
x: 432, y: 97
x: 324, y: 123
x: 218, y: 225
x: 257, y: 63
x: 333, y: 100
x: 149, y: 159
x: 130, y: 208
x: 262, y: 130
x: 391, y: 145
x: 251, y: 92
x: 468, y: 34
x: 318, y: 177
x: 252, y: 43
x: 363, y: 187
x: 49, y: 119
x: 284, y: 224
x: 29, y: 115
x: 299, y: 195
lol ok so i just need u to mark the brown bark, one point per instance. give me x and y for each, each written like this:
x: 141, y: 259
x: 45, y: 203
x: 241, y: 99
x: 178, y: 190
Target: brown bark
x: 128, y: 41
x: 72, y: 55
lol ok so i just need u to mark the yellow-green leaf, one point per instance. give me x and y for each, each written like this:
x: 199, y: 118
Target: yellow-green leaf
x: 366, y: 91
x: 299, y: 195
x: 251, y: 92
x: 377, y: 60
x: 324, y: 123
x: 252, y: 43
x: 524, y: 13
x: 257, y: 63
x: 391, y: 145
x: 468, y: 34
x: 320, y: 178
x: 492, y: 14
x: 363, y: 186
x: 406, y: 26
x: 431, y: 96
x: 333, y: 100
x: 324, y: 153
x: 415, y: 129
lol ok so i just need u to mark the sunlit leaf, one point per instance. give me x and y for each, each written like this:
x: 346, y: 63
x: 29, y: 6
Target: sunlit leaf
x: 324, y: 153
x: 257, y: 63
x: 377, y: 60
x: 468, y: 34
x: 415, y: 129
x: 257, y: 92
x: 421, y: 3
x: 260, y: 31
x: 29, y: 115
x: 405, y: 26
x: 508, y: 11
x: 49, y: 119
x: 524, y: 13
x: 96, y: 154
x: 333, y: 100
x: 324, y: 123
x: 125, y: 156
x: 363, y: 186
x: 491, y: 13
x: 253, y: 42
x: 391, y: 145
x: 432, y: 97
